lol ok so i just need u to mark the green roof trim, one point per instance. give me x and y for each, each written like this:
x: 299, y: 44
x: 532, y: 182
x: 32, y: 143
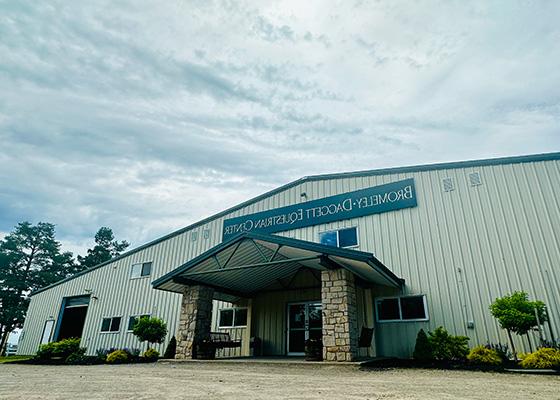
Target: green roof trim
x: 284, y: 241
x: 312, y: 178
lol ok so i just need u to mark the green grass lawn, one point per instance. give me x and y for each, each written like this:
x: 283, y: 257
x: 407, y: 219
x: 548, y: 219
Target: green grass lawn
x: 13, y: 358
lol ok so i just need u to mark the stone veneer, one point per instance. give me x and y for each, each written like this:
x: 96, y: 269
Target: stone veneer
x: 340, y: 330
x: 195, y: 320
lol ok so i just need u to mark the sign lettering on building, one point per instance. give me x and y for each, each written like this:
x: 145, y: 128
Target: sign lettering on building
x: 374, y: 200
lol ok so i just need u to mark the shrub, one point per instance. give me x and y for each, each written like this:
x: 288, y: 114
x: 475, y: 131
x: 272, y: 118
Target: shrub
x: 543, y: 358
x: 79, y: 358
x: 448, y: 347
x: 46, y: 351
x: 150, y: 329
x: 117, y: 357
x: 133, y: 353
x: 61, y: 349
x: 501, y: 349
x: 151, y: 354
x: 484, y: 356
x: 171, y: 348
x: 423, y: 348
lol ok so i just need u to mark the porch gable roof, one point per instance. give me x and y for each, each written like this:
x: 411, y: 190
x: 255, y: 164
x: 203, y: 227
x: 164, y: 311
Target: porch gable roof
x: 250, y: 262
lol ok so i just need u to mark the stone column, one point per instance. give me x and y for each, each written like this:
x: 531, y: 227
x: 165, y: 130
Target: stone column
x: 195, y: 320
x: 340, y: 324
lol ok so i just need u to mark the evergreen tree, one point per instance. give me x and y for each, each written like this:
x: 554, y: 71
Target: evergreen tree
x: 30, y: 258
x: 423, y: 349
x: 171, y: 348
x: 106, y: 247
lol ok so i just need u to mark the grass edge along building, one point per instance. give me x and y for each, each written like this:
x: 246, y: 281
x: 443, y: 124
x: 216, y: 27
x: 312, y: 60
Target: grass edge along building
x: 331, y: 257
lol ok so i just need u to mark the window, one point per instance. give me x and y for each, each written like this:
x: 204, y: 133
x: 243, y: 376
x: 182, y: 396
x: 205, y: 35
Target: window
x: 232, y: 317
x: 405, y: 308
x: 347, y: 237
x: 133, y: 319
x: 141, y: 269
x: 111, y: 324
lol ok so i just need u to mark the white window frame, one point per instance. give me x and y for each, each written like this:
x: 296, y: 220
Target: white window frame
x: 338, y: 238
x: 111, y: 317
x: 136, y: 316
x: 383, y: 321
x: 141, y: 263
x: 232, y: 319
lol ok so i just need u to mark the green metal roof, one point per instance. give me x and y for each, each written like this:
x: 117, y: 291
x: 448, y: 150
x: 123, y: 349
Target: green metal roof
x: 251, y: 262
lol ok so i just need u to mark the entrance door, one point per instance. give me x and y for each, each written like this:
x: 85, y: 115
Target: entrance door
x: 72, y: 319
x: 304, y: 322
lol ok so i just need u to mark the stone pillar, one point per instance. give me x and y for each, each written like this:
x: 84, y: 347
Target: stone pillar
x: 340, y: 324
x: 195, y: 320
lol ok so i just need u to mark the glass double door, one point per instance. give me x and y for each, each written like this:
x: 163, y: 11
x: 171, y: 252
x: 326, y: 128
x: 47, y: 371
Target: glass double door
x: 304, y: 322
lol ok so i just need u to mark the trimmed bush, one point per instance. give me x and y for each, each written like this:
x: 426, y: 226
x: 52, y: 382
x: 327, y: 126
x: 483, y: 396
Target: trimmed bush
x: 171, y: 348
x: 446, y: 347
x: 79, y: 358
x: 61, y: 349
x: 423, y: 348
x: 482, y: 355
x: 543, y: 358
x: 151, y: 354
x: 501, y: 349
x: 150, y: 329
x: 117, y: 357
x: 133, y: 354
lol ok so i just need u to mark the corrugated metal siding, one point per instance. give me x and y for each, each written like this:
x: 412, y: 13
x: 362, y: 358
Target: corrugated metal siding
x: 461, y: 248
x: 270, y: 312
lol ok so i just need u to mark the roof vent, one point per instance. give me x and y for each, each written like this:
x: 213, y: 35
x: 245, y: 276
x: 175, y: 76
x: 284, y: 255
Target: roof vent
x: 474, y: 179
x: 448, y: 185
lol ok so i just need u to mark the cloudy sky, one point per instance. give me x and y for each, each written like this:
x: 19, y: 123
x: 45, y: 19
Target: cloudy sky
x: 148, y: 116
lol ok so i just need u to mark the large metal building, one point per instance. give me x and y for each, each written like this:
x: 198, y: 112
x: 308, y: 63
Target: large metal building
x: 408, y: 248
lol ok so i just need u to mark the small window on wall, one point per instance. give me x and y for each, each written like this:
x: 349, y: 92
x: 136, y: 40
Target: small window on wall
x: 405, y: 308
x: 111, y: 324
x: 347, y: 237
x: 133, y: 319
x: 232, y: 318
x: 140, y: 270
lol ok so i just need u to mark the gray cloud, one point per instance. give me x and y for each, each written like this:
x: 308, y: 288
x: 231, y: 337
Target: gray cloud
x: 149, y: 116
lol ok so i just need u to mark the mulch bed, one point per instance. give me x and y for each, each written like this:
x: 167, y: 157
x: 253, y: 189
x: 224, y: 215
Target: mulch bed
x: 389, y: 363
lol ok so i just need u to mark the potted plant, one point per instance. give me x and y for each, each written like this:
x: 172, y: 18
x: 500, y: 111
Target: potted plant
x: 314, y: 350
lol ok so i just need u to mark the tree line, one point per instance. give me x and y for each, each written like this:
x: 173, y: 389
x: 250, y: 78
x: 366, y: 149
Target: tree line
x: 32, y: 258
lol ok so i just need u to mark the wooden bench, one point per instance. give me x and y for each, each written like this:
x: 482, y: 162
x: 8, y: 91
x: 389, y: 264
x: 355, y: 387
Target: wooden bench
x: 222, y: 340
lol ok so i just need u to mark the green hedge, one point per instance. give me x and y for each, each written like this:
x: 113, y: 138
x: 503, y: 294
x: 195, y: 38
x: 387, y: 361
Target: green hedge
x: 62, y: 349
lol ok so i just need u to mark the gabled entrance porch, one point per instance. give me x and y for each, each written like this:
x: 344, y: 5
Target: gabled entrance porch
x: 270, y: 274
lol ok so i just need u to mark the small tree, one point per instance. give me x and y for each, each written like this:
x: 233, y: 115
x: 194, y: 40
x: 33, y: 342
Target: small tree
x: 516, y: 313
x: 423, y: 348
x: 150, y: 329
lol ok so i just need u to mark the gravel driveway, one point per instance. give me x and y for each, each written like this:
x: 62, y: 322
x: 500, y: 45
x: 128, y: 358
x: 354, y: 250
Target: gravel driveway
x: 264, y: 381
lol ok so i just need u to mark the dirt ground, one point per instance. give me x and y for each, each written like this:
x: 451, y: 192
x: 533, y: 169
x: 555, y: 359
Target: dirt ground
x: 246, y: 381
